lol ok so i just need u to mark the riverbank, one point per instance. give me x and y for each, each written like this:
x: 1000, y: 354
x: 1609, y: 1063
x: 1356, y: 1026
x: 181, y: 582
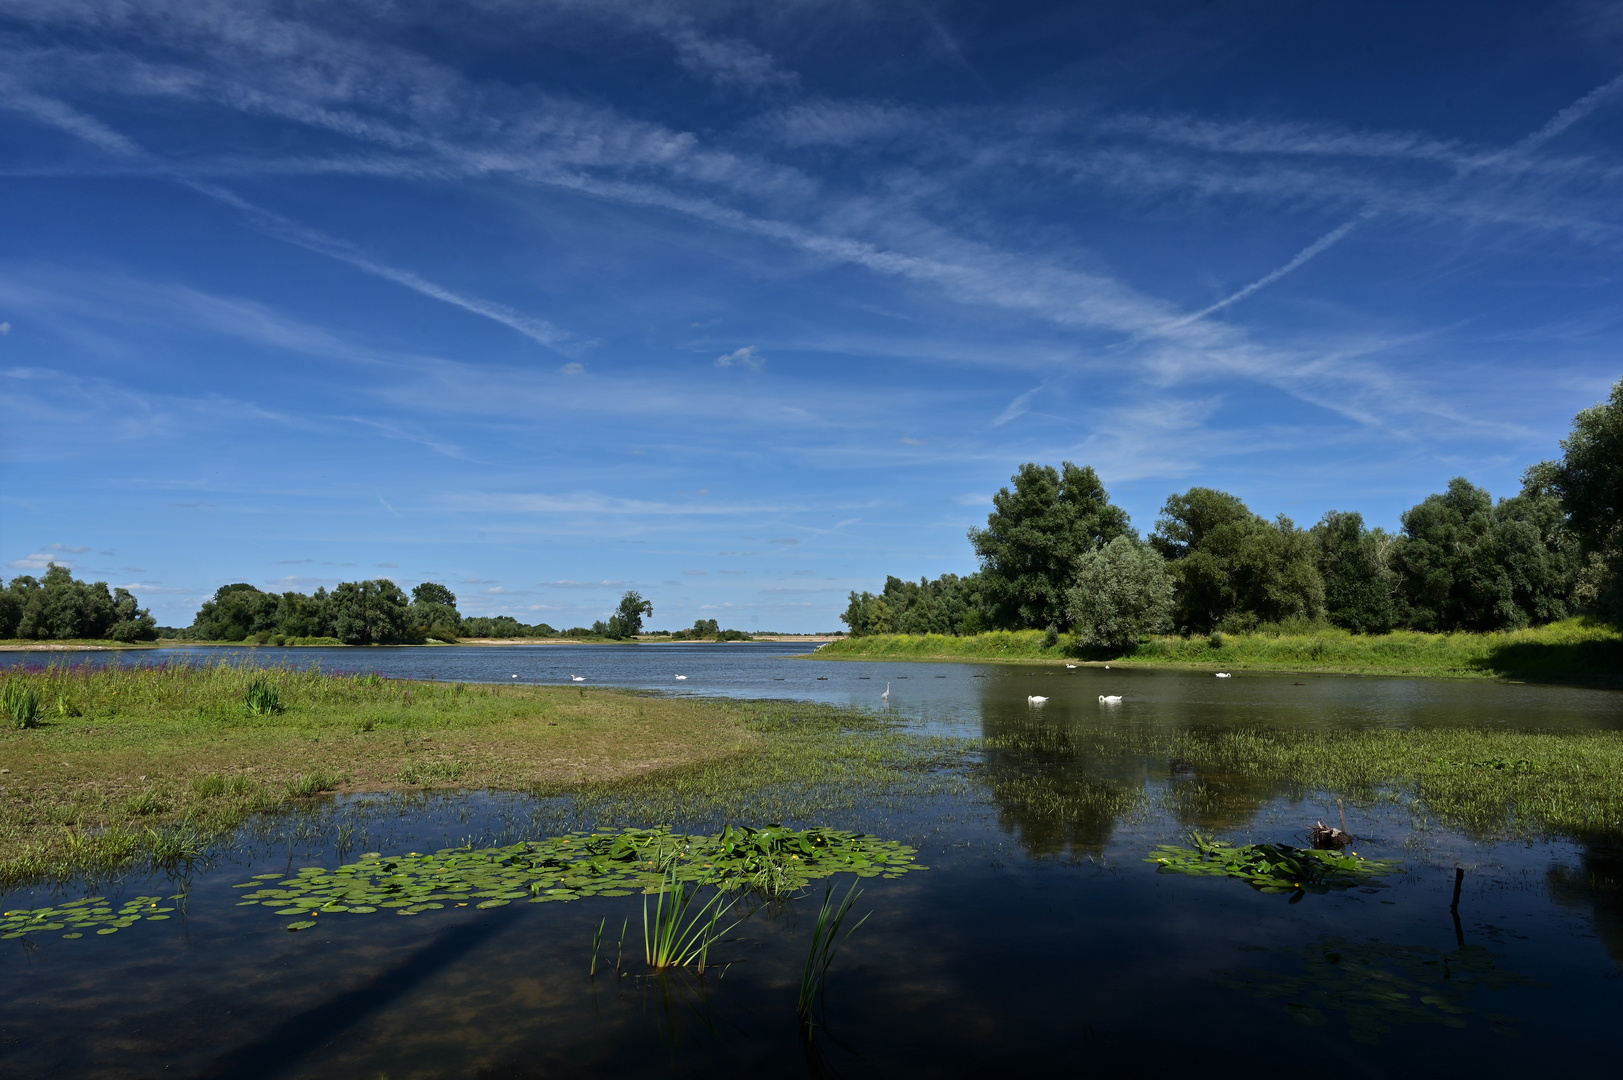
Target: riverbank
x: 1578, y: 648
x: 131, y: 765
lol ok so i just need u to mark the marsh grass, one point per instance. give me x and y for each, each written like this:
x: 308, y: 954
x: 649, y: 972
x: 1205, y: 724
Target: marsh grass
x: 1574, y: 647
x: 139, y: 756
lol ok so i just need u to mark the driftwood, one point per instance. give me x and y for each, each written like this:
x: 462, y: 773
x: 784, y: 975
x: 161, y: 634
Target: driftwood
x: 1324, y: 836
x: 1328, y: 836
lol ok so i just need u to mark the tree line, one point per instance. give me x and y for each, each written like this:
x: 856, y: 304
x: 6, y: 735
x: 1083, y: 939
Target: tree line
x: 59, y: 606
x: 1056, y: 554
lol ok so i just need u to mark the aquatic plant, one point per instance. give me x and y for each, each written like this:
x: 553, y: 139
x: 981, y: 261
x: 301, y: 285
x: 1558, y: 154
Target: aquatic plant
x: 312, y: 783
x: 672, y: 939
x: 78, y: 916
x: 263, y: 697
x: 825, y: 942
x: 1378, y: 985
x: 603, y: 863
x: 19, y: 702
x: 1272, y: 868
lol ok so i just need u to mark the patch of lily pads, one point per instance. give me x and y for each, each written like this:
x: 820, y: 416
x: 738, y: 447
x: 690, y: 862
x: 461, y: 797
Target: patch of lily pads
x: 608, y: 862
x: 1273, y: 868
x: 78, y: 917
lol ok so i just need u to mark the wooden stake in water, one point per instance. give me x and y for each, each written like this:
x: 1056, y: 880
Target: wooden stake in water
x: 1342, y: 811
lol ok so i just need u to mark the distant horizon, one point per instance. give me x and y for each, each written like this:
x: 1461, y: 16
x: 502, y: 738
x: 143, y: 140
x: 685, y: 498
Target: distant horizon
x: 746, y: 307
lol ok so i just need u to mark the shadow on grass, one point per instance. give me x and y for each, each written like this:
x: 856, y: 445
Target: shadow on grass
x: 1586, y: 662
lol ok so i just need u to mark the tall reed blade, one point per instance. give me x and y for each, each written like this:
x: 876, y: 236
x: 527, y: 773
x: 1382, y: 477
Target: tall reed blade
x: 825, y: 943
x: 673, y: 939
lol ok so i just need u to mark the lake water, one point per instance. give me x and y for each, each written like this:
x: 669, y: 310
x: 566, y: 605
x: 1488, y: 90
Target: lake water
x: 1037, y: 939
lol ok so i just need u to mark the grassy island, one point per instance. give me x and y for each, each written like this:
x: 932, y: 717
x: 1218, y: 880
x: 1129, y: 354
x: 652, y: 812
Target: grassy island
x: 1571, y: 648
x: 103, y: 768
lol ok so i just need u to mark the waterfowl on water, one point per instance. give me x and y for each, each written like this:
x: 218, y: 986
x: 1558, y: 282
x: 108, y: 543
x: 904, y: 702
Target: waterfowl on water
x: 1224, y: 675
x: 1033, y: 699
x: 1110, y: 699
x: 1070, y: 667
x: 681, y: 676
x: 577, y: 678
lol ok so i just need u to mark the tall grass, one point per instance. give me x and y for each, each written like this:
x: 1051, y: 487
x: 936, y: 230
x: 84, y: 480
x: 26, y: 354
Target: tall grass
x: 672, y: 938
x: 19, y: 702
x: 826, y: 940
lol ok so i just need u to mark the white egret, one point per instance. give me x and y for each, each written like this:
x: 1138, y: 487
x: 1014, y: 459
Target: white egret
x: 1110, y: 699
x: 885, y: 697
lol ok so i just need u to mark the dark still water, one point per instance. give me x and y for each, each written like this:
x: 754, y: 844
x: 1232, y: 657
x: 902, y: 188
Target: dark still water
x: 1038, y: 938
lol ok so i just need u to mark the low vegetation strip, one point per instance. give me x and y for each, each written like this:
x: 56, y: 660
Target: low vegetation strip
x: 1573, y: 647
x: 123, y: 766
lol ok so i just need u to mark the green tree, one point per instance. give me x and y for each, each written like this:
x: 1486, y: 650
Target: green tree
x: 1357, y: 585
x: 1588, y: 479
x: 1034, y: 537
x: 370, y: 612
x: 235, y: 612
x: 868, y: 614
x: 1464, y: 564
x: 1123, y: 591
x: 1233, y: 568
x: 626, y: 622
x: 61, y: 606
x: 433, y: 611
x: 298, y: 615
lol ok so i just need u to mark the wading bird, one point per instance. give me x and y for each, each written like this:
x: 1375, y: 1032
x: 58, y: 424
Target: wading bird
x: 886, y: 695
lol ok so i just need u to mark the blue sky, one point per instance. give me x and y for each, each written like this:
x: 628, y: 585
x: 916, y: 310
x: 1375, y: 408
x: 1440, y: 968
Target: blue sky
x: 748, y: 305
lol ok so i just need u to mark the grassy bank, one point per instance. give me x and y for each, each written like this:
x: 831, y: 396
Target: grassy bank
x: 1575, y: 647
x: 129, y: 766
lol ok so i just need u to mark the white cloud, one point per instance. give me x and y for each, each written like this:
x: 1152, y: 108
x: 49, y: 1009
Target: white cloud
x: 745, y: 357
x: 39, y: 561
x: 573, y: 368
x: 566, y: 584
x: 5, y: 328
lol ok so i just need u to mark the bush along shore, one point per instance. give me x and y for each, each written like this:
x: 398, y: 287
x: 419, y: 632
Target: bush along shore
x: 1571, y: 648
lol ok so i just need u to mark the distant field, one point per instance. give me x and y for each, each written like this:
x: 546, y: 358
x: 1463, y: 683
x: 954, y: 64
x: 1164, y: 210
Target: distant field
x: 1575, y: 647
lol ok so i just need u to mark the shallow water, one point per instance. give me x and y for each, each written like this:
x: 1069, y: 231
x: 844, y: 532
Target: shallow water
x: 1038, y: 937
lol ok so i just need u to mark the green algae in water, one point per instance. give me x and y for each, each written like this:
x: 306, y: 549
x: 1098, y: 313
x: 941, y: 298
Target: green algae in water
x: 1377, y: 985
x: 773, y: 860
x: 78, y: 916
x: 1273, y: 868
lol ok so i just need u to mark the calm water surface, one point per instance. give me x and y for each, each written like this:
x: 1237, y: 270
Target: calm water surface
x: 1037, y: 939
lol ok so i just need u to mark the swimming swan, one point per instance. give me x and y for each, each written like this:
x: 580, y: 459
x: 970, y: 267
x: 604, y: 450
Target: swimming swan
x: 1033, y: 699
x: 681, y: 676
x: 1110, y: 699
x: 1224, y: 675
x: 577, y: 678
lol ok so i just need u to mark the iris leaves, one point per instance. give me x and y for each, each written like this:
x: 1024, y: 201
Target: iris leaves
x: 773, y: 860
x: 1273, y: 868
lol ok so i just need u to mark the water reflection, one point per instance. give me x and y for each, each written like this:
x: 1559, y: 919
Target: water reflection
x: 1595, y: 886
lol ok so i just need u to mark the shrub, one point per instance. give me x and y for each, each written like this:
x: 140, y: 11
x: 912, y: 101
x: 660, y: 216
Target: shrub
x: 263, y: 698
x: 20, y: 704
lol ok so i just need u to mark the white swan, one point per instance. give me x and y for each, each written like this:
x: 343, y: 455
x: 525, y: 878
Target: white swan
x: 577, y: 678
x: 1070, y: 667
x: 1033, y: 699
x: 1224, y: 675
x: 515, y: 676
x: 1110, y: 699
x: 681, y: 676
